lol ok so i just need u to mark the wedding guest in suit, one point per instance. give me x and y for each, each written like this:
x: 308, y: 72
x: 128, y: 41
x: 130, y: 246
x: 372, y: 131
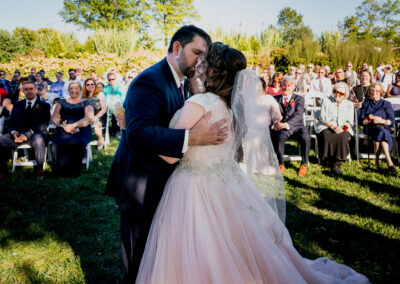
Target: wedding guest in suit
x: 291, y: 126
x: 377, y: 116
x: 335, y: 127
x: 138, y: 175
x: 27, y: 125
x: 72, y: 118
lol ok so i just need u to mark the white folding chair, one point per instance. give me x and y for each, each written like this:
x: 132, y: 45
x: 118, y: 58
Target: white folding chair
x: 89, y: 157
x: 25, y: 162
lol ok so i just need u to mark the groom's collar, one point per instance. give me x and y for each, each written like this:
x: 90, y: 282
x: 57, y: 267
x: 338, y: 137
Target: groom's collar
x: 176, y: 77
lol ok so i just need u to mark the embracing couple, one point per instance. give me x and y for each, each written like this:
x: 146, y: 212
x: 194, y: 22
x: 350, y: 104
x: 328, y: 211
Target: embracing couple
x: 196, y: 179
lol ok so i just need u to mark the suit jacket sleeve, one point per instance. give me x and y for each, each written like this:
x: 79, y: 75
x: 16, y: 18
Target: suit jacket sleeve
x: 297, y: 118
x: 42, y: 123
x: 12, y: 122
x: 145, y: 105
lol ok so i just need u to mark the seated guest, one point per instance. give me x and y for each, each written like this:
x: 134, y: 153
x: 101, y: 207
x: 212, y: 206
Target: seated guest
x: 299, y: 82
x: 13, y: 85
x: 115, y: 93
x: 100, y: 86
x: 350, y: 74
x: 40, y: 84
x: 58, y: 86
x: 360, y: 92
x: 334, y: 127
x: 98, y: 101
x: 274, y: 89
x: 291, y: 126
x: 377, y: 116
x: 44, y: 79
x: 27, y: 125
x: 72, y: 78
x: 72, y: 118
x: 4, y: 83
x: 130, y: 75
x: 3, y: 95
x: 339, y: 76
x: 321, y: 84
x: 394, y: 89
x: 32, y: 77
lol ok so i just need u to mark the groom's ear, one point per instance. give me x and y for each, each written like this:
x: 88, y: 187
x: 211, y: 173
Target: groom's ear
x: 176, y: 46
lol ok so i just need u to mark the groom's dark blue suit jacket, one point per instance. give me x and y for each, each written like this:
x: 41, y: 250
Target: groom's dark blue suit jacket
x: 137, y: 172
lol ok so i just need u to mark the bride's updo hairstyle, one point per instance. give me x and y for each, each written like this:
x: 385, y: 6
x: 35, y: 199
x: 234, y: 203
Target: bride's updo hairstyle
x: 224, y: 62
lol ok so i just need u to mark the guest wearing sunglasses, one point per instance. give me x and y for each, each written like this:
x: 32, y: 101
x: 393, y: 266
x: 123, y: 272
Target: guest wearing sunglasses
x: 98, y: 102
x: 115, y: 94
x: 335, y: 127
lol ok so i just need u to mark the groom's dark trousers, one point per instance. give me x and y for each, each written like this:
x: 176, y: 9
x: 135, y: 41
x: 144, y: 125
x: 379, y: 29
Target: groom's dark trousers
x: 138, y: 175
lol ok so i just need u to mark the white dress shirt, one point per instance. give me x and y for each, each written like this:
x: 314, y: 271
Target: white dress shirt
x: 178, y: 82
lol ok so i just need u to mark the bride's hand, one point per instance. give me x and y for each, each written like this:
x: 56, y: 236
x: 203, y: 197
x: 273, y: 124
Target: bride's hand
x: 204, y: 133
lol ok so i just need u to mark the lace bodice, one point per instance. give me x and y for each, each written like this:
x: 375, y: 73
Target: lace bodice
x: 213, y: 154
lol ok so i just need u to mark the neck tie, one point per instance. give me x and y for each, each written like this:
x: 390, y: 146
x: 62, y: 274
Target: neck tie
x: 321, y: 87
x: 181, y: 90
x: 286, y: 102
x: 29, y: 108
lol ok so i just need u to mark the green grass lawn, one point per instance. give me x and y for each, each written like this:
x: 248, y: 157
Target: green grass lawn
x: 64, y: 230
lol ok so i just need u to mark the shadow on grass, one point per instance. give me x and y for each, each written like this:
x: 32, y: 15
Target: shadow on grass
x: 368, y: 253
x: 71, y: 210
x: 348, y: 205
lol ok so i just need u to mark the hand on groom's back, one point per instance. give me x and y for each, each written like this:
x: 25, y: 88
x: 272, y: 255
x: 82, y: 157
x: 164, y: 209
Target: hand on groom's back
x: 205, y: 133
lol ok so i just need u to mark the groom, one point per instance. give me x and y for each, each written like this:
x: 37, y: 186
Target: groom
x: 138, y: 175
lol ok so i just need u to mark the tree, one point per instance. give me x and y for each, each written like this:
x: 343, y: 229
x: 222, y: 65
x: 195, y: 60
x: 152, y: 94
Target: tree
x: 55, y: 46
x: 26, y: 37
x: 291, y: 26
x: 120, y: 14
x: 169, y: 14
x: 373, y: 19
x: 289, y: 19
x: 10, y: 46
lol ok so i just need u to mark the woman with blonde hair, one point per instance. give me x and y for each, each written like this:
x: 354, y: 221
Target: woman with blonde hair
x: 274, y: 89
x: 377, y: 116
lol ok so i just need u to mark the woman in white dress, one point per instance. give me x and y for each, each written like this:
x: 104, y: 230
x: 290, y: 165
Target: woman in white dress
x: 221, y: 222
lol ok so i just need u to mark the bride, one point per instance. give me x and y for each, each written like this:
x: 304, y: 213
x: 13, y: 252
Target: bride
x: 221, y: 218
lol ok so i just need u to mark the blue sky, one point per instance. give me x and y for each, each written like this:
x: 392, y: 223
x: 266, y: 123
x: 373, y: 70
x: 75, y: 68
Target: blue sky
x: 249, y: 16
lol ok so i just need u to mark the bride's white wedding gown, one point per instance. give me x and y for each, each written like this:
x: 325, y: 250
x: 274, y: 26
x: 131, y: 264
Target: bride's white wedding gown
x: 213, y: 226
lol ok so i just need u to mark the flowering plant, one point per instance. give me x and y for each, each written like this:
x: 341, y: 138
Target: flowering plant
x: 370, y: 117
x: 292, y: 103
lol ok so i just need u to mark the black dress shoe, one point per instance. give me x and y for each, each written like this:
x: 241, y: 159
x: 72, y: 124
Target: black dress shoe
x: 392, y: 169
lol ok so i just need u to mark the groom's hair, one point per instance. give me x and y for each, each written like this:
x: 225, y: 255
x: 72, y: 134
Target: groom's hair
x: 186, y: 34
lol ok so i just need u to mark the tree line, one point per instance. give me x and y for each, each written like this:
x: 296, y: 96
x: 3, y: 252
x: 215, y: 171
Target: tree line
x: 371, y: 34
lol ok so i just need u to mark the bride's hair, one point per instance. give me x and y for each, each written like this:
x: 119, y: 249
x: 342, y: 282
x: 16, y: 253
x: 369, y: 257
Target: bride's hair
x: 225, y: 62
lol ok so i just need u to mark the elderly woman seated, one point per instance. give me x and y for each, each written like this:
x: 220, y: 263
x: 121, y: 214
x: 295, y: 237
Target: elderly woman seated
x: 377, y: 116
x: 334, y: 127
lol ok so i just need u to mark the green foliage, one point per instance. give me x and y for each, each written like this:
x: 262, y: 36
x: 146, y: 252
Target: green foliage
x: 373, y: 52
x: 10, y: 46
x: 254, y: 44
x: 169, y: 14
x: 114, y: 41
x: 271, y: 38
x: 26, y: 37
x: 55, y: 47
x: 373, y: 19
x: 106, y: 14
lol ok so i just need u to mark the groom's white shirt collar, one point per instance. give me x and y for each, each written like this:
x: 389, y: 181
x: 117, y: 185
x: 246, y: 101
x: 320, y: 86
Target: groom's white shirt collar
x: 176, y: 77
